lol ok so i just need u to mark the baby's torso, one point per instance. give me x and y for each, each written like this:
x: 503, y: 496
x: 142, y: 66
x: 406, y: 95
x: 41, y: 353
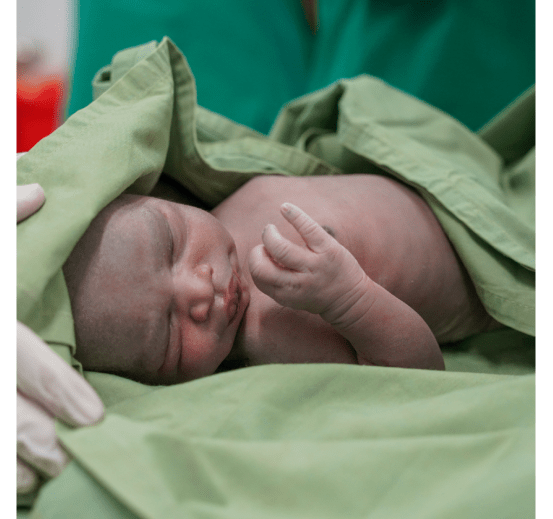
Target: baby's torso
x: 389, y: 229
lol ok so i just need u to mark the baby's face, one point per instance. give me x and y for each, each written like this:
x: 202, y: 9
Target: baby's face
x: 162, y: 294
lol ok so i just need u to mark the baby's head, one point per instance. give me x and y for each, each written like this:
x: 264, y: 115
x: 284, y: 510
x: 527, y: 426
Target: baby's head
x: 156, y: 291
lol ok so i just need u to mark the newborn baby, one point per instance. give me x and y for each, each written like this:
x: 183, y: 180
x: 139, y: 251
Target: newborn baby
x: 363, y: 273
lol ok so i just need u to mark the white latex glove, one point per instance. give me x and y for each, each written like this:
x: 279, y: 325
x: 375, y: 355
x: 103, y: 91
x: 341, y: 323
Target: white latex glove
x: 29, y: 200
x: 47, y: 388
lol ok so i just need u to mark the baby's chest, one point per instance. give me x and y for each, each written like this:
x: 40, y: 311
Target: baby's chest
x: 389, y: 229
x: 387, y: 226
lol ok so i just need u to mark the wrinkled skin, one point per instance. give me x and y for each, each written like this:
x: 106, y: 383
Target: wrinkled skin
x: 387, y: 228
x: 325, y: 279
x: 124, y: 283
x: 315, y: 277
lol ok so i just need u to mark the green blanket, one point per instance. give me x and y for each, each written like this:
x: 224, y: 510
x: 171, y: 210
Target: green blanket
x: 314, y: 441
x: 258, y: 442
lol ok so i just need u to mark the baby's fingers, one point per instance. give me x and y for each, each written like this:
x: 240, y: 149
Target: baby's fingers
x: 283, y: 251
x: 314, y: 236
x: 266, y: 274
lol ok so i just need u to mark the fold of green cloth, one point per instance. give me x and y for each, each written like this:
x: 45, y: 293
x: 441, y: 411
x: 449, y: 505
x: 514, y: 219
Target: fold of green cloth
x: 308, y: 441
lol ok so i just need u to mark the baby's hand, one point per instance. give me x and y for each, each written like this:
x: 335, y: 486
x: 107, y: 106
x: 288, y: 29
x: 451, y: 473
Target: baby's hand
x: 323, y: 277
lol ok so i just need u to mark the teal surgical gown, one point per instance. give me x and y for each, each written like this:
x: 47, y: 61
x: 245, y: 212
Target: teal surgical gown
x: 469, y: 59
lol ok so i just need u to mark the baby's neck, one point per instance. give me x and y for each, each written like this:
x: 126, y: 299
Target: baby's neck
x: 237, y: 357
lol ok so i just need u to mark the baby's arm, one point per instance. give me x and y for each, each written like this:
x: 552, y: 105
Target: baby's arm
x: 324, y: 278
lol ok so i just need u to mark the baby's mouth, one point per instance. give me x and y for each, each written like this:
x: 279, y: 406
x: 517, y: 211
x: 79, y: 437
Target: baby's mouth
x: 233, y: 297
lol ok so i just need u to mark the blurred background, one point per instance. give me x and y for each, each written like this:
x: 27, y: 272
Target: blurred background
x: 469, y: 58
x: 44, y: 53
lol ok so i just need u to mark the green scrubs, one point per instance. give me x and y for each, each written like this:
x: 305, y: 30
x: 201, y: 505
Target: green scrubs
x: 469, y: 59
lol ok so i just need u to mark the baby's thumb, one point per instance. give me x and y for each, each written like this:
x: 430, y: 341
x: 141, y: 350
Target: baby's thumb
x: 256, y: 259
x: 265, y: 272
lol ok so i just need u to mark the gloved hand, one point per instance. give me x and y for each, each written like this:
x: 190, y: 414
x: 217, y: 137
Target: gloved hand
x: 47, y: 388
x: 29, y: 200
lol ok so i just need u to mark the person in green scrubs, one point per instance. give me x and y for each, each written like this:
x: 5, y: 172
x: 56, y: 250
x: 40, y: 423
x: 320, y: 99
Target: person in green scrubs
x: 469, y: 59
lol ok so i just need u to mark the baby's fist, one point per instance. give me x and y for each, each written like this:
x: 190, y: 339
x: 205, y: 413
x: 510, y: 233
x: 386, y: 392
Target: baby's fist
x: 322, y: 278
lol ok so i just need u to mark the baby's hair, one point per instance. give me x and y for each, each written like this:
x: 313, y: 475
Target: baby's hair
x: 99, y: 333
x: 91, y: 335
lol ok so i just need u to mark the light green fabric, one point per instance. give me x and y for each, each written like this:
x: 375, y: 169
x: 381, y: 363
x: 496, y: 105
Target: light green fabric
x: 308, y: 441
x: 146, y: 121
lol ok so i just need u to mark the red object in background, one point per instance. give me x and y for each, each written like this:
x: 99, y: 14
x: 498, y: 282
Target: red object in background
x: 39, y: 107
